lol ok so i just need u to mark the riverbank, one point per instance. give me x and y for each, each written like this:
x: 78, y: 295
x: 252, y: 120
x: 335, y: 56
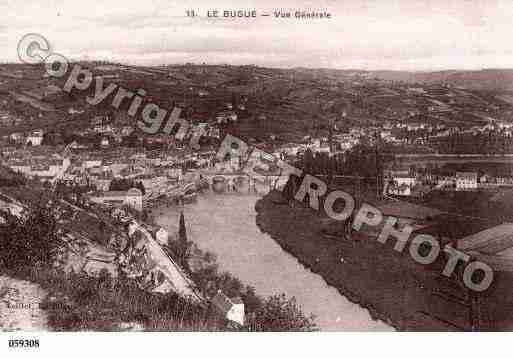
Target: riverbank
x: 391, y: 286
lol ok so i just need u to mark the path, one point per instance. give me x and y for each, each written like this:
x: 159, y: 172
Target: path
x: 19, y: 305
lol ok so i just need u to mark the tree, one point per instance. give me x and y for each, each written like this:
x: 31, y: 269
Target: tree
x: 182, y: 232
x: 308, y: 161
x: 290, y: 189
x: 183, y: 244
x: 9, y: 178
x: 234, y: 100
x: 140, y: 186
x: 144, y: 216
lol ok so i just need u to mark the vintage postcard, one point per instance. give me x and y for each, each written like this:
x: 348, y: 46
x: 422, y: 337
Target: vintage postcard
x: 228, y: 166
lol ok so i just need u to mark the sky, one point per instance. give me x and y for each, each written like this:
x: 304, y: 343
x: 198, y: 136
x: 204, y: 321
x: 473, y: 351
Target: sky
x: 412, y: 35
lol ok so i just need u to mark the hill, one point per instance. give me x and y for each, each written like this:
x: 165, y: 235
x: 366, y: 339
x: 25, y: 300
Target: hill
x: 288, y: 102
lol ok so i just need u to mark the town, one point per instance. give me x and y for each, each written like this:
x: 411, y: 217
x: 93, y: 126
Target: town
x: 417, y: 147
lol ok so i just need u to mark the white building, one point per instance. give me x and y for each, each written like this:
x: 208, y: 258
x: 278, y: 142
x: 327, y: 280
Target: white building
x: 132, y: 198
x: 466, y: 181
x: 232, y: 309
x: 226, y: 116
x: 46, y: 168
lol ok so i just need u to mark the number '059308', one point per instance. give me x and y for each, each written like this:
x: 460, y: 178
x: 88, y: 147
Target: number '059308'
x: 23, y: 343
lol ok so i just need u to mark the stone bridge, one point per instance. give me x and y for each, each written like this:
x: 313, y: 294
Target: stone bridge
x: 242, y: 183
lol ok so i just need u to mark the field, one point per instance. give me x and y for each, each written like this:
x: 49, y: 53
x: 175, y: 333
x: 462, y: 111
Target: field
x: 390, y: 284
x: 295, y: 102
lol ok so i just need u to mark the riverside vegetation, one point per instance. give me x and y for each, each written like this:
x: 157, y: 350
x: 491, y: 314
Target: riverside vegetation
x: 76, y: 301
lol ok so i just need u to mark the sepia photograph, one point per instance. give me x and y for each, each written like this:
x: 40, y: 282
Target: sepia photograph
x: 255, y: 166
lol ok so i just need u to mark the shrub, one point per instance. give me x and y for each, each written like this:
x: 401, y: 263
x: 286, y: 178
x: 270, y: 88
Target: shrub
x: 32, y: 239
x: 278, y: 314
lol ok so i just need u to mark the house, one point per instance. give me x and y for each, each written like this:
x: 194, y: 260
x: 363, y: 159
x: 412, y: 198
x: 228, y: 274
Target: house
x: 35, y: 138
x: 153, y: 182
x: 445, y: 181
x: 42, y: 168
x: 401, y: 182
x: 21, y: 166
x: 76, y: 146
x: 416, y: 90
x: 92, y: 162
x: 132, y: 198
x: 226, y: 117
x: 127, y: 130
x: 175, y: 173
x: 102, y: 128
x: 386, y: 135
x: 399, y: 190
x: 405, y: 179
x: 16, y: 137
x: 416, y: 126
x: 504, y: 125
x: 231, y: 309
x: 484, y: 178
x: 73, y: 111
x: 488, y: 127
x: 466, y: 181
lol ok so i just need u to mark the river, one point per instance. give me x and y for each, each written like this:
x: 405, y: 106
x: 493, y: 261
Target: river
x: 225, y: 225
